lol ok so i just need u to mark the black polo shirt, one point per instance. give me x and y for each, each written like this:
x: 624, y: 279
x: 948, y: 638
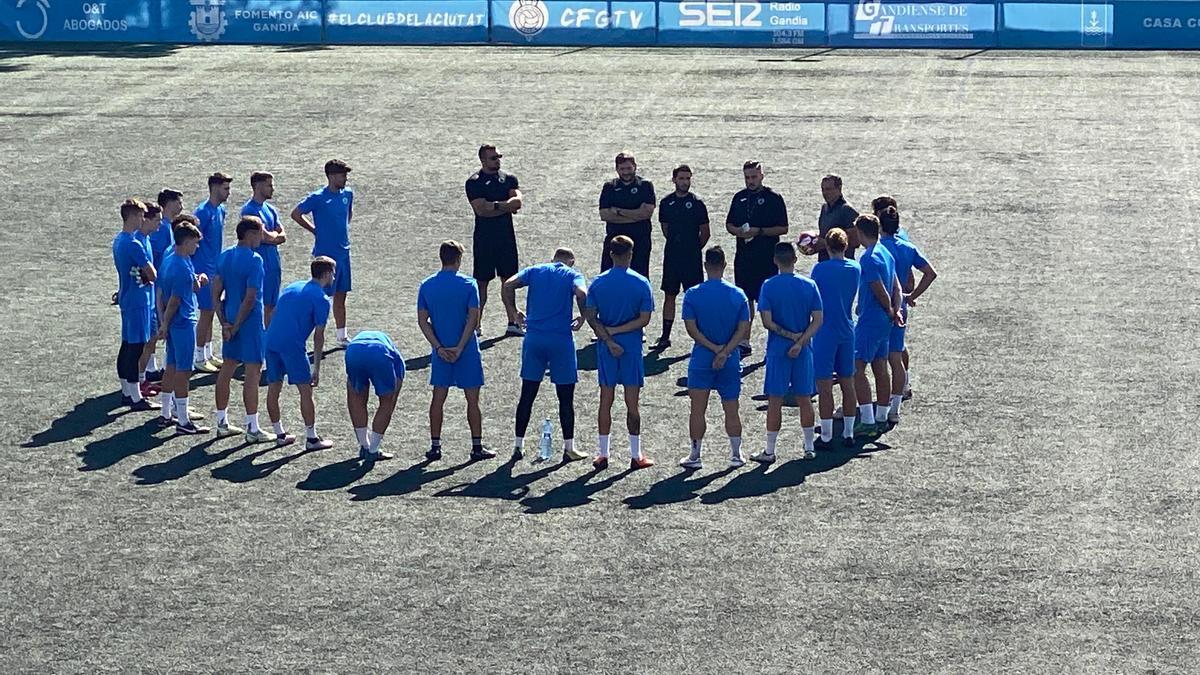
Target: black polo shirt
x: 617, y: 194
x: 840, y: 214
x: 764, y: 208
x: 494, y: 187
x: 684, y: 216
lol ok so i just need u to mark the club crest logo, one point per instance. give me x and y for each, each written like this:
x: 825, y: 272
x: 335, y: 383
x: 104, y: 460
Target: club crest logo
x: 528, y: 17
x: 687, y: 205
x: 761, y: 201
x: 28, y: 34
x: 208, y: 21
x: 633, y: 190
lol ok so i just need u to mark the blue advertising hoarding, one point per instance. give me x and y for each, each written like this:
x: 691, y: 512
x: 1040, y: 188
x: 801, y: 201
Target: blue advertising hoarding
x: 61, y: 21
x: 574, y: 22
x: 406, y: 22
x: 742, y: 23
x: 1157, y: 25
x: 242, y: 21
x: 886, y: 23
x: 1042, y: 25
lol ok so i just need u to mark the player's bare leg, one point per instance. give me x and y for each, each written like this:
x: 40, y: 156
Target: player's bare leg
x: 697, y: 426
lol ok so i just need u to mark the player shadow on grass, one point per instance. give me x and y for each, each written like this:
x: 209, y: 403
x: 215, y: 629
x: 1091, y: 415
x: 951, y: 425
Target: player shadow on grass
x: 336, y: 476
x: 574, y: 493
x: 87, y: 416
x: 106, y: 452
x: 501, y: 483
x: 404, y: 481
x: 677, y: 488
x: 195, y: 457
x: 653, y: 362
x: 761, y: 482
x: 244, y: 469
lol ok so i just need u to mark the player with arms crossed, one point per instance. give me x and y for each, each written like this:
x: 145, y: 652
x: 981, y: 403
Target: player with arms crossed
x: 879, y: 298
x: 372, y: 359
x: 211, y: 215
x: 135, y: 297
x: 684, y: 220
x: 619, y: 304
x: 262, y: 185
x: 907, y: 257
x: 332, y: 209
x: 494, y: 196
x: 833, y: 346
x: 626, y: 204
x: 757, y: 217
x: 148, y: 372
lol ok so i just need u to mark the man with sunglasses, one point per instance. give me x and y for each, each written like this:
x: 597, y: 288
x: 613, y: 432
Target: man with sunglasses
x: 494, y: 196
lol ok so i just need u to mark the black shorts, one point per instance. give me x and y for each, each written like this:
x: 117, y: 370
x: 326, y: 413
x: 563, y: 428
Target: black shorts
x: 682, y: 269
x: 641, y: 249
x: 749, y: 273
x: 495, y: 255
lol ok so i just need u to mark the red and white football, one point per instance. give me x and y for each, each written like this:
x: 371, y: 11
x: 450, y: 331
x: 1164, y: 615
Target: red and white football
x: 806, y: 241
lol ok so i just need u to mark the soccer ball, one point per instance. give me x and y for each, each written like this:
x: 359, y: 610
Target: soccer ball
x: 806, y: 242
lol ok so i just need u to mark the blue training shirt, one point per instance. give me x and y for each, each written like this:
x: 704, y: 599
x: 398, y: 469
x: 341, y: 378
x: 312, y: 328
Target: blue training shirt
x: 551, y: 295
x: 448, y: 296
x: 241, y: 271
x: 161, y: 240
x: 212, y: 230
x: 906, y: 254
x: 837, y: 280
x: 877, y: 265
x: 331, y: 211
x: 177, y: 279
x: 791, y: 299
x: 619, y: 295
x: 717, y: 307
x: 302, y: 306
x: 270, y: 217
x: 134, y: 291
x: 379, y: 341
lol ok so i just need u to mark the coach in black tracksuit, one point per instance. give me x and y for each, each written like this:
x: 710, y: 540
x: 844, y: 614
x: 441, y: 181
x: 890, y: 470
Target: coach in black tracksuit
x: 626, y: 204
x: 757, y: 217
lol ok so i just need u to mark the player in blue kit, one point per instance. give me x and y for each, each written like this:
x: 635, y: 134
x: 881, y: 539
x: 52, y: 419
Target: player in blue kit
x: 833, y: 346
x: 549, y: 343
x: 332, y: 209
x: 262, y: 185
x: 717, y: 316
x: 757, y: 217
x: 626, y: 204
x: 135, y: 297
x: 148, y: 370
x: 448, y: 314
x: 302, y: 310
x: 907, y: 257
x: 790, y: 306
x: 372, y: 359
x: 684, y: 220
x: 178, y: 285
x: 238, y: 289
x: 619, y: 304
x: 211, y: 215
x: 494, y: 195
x: 171, y: 202
x: 879, y: 298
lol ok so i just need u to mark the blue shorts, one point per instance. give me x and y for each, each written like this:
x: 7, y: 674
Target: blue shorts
x: 832, y: 354
x: 465, y: 373
x: 790, y: 377
x: 181, y: 346
x: 153, y: 323
x: 204, y: 299
x: 871, y: 342
x: 341, y: 275
x: 727, y: 381
x: 272, y: 279
x: 368, y: 366
x: 135, y: 324
x: 292, y: 362
x: 896, y: 339
x: 627, y: 371
x: 247, y: 345
x: 556, y: 352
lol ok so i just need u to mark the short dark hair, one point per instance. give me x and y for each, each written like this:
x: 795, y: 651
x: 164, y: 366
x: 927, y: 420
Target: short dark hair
x: 680, y: 169
x: 260, y: 177
x: 715, y: 255
x: 184, y: 228
x: 131, y: 206
x: 785, y: 251
x: 450, y: 252
x: 620, y: 246
x: 485, y: 148
x: 868, y: 225
x: 836, y: 179
x: 882, y: 202
x: 336, y: 166
x: 751, y: 164
x: 152, y: 209
x: 889, y: 220
x: 623, y: 157
x: 186, y: 218
x: 563, y: 252
x: 320, y: 265
x: 837, y: 239
x: 248, y: 224
x: 219, y: 178
x: 168, y: 195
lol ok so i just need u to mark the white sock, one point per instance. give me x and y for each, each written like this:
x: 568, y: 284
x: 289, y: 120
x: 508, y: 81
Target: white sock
x: 827, y: 430
x: 141, y: 377
x: 604, y: 441
x: 697, y: 444
x: 906, y: 381
x: 735, y: 445
x: 635, y: 446
x: 223, y: 416
x: 867, y: 413
x: 252, y: 423
x: 181, y: 411
x: 310, y: 432
x: 124, y: 388
x: 167, y: 399
x: 519, y: 442
x: 361, y: 434
x: 895, y: 407
x: 568, y: 444
x: 199, y: 356
x: 809, y: 432
x: 848, y: 427
x: 881, y: 413
x: 135, y: 392
x: 376, y: 441
x: 152, y: 364
x: 208, y: 352
x: 772, y: 437
x: 278, y: 427
x: 341, y: 332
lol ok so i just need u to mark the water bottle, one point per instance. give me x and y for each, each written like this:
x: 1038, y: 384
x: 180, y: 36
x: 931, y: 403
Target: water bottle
x: 545, y: 446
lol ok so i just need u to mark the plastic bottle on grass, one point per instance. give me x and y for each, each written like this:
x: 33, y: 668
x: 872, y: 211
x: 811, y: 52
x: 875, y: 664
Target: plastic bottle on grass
x: 545, y: 447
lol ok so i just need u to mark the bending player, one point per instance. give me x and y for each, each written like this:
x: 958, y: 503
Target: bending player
x: 372, y: 359
x: 833, y: 346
